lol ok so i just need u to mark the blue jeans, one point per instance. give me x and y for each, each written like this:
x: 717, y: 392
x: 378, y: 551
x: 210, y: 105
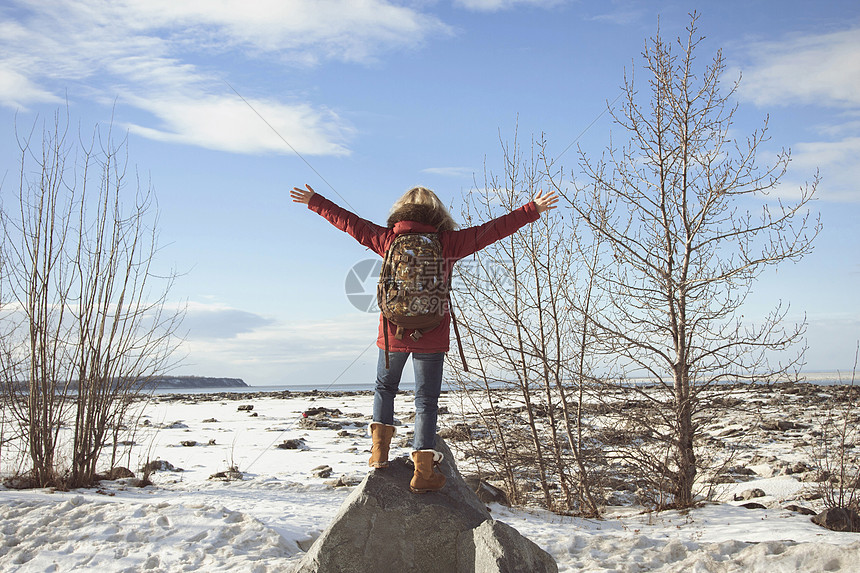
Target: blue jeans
x: 428, y: 384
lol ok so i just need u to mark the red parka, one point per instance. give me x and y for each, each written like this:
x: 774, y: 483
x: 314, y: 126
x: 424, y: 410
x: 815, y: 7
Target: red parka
x: 455, y: 245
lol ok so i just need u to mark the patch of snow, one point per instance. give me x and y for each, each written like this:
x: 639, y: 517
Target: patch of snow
x: 266, y: 520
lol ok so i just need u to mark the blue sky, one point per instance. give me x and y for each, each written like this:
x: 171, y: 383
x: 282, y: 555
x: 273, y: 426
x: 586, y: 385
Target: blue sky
x: 379, y: 96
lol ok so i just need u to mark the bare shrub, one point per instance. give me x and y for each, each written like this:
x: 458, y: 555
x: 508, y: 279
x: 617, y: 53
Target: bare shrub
x: 527, y: 345
x: 88, y: 324
x: 834, y: 453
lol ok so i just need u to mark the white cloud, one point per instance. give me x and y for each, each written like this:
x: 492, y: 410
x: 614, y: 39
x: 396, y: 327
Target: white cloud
x: 450, y: 171
x: 276, y: 352
x: 848, y: 123
x: 16, y: 90
x: 819, y: 69
x: 228, y: 123
x: 499, y: 5
x: 837, y: 163
x: 620, y: 12
x: 154, y: 54
x: 814, y: 154
x: 343, y: 29
x: 216, y: 322
x: 622, y: 18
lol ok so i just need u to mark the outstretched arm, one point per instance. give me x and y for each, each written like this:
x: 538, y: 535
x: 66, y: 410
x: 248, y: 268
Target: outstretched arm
x: 368, y: 234
x: 467, y: 241
x: 300, y: 195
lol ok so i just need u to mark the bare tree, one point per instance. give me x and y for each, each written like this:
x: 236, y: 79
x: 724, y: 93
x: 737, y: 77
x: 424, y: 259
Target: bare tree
x: 87, y: 328
x: 687, y: 213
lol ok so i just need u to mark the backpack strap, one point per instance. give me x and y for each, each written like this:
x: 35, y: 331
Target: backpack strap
x: 457, y: 332
x: 454, y: 322
x: 385, y: 336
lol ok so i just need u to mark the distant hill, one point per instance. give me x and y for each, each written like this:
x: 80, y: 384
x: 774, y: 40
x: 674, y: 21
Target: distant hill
x: 164, y: 382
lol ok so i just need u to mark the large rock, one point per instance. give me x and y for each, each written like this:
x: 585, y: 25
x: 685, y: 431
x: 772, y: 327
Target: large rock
x: 382, y: 526
x: 838, y: 519
x: 496, y: 547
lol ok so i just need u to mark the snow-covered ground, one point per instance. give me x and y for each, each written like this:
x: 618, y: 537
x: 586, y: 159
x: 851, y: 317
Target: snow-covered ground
x: 268, y: 518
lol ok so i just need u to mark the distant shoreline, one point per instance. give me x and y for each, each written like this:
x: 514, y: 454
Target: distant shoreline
x: 266, y: 391
x: 162, y: 383
x: 293, y: 390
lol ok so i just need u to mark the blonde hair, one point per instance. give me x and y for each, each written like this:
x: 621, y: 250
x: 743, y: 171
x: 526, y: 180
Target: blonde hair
x: 424, y: 206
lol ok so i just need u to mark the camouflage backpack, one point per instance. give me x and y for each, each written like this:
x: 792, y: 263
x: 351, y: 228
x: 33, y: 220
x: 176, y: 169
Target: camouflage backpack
x: 413, y: 292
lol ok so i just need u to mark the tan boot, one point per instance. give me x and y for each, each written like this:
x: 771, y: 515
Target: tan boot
x: 426, y: 478
x: 381, y: 436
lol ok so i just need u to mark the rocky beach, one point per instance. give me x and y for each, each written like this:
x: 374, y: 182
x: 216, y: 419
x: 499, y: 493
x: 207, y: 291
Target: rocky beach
x: 249, y: 480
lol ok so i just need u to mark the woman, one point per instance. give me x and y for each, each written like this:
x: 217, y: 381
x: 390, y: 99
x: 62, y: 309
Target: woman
x: 419, y: 210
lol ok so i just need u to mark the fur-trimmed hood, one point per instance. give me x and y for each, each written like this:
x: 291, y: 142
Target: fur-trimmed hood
x: 418, y: 213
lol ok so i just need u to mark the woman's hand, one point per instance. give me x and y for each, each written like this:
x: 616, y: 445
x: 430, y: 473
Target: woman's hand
x: 300, y: 195
x: 546, y: 202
